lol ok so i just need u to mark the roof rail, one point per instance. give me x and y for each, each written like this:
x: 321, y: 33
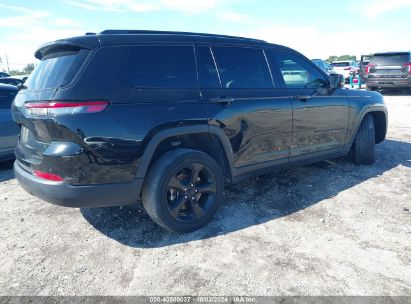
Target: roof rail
x: 128, y: 32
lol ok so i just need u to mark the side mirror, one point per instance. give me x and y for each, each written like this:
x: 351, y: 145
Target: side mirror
x: 336, y: 81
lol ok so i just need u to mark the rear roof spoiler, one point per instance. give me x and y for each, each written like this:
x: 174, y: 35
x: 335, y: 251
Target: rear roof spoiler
x: 82, y: 42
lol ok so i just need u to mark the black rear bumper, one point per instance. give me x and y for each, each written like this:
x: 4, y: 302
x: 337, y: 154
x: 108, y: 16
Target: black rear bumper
x: 62, y: 194
x: 389, y: 82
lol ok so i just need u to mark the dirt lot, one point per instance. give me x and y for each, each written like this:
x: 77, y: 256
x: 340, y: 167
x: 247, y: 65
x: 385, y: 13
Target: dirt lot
x: 332, y: 228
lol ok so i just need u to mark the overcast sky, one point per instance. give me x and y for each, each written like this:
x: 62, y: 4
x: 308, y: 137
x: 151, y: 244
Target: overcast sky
x: 316, y: 28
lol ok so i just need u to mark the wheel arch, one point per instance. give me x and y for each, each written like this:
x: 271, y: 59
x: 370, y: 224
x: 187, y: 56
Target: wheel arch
x: 380, y: 117
x: 206, y: 138
x: 380, y: 125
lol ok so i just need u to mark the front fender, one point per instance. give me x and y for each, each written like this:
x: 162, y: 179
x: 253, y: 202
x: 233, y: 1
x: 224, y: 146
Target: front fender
x: 360, y: 105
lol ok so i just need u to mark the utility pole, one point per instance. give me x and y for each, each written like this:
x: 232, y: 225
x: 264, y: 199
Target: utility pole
x: 7, y: 62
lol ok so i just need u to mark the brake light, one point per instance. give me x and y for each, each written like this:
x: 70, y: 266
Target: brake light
x: 56, y: 108
x: 368, y: 67
x: 347, y: 68
x: 407, y: 66
x: 48, y: 176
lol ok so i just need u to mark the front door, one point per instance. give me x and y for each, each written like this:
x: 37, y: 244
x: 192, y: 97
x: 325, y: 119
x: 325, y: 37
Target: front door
x: 242, y: 99
x: 320, y: 115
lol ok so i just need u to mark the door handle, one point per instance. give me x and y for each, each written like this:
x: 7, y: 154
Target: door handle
x: 303, y: 97
x: 222, y: 99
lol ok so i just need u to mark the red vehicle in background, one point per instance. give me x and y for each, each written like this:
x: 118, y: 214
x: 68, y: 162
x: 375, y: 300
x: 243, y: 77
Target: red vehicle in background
x: 358, y: 77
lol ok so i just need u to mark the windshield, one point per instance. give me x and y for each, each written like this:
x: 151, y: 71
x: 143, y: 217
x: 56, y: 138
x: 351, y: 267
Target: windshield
x: 55, y: 70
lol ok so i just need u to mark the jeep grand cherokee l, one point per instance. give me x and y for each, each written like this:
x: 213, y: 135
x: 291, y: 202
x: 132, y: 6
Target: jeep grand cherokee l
x: 389, y: 70
x: 168, y: 117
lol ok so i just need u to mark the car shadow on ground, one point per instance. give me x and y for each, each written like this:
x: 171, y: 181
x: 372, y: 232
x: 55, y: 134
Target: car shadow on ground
x: 6, y: 170
x: 253, y: 201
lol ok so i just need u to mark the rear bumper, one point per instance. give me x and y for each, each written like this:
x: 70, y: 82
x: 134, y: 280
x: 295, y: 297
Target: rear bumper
x: 62, y: 194
x: 389, y: 83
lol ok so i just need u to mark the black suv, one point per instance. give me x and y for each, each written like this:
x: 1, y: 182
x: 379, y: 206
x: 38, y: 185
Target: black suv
x: 168, y: 117
x: 389, y: 70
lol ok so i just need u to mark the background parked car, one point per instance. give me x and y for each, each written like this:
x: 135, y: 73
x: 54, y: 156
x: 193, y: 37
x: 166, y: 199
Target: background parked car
x: 345, y: 68
x: 4, y: 74
x: 22, y: 77
x: 364, y: 61
x: 389, y: 70
x: 359, y: 76
x: 12, y: 80
x: 324, y: 66
x: 8, y: 128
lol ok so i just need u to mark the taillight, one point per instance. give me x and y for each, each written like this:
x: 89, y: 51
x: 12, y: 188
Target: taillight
x: 407, y: 67
x: 347, y: 68
x: 368, y: 67
x: 48, y: 176
x: 56, y: 108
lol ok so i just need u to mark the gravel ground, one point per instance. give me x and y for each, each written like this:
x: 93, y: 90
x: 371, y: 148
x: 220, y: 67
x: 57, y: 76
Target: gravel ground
x: 332, y: 228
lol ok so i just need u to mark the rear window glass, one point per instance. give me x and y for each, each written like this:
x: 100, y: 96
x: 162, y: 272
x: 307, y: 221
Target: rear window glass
x: 340, y: 64
x: 390, y: 59
x: 56, y: 70
x: 242, y: 68
x: 162, y: 67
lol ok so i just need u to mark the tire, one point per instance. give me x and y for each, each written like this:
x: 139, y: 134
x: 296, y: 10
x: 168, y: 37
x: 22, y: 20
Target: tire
x: 363, y: 149
x: 371, y: 88
x: 183, y: 189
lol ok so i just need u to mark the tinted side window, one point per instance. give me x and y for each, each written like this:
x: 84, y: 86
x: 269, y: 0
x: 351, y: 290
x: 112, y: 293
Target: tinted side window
x: 297, y: 72
x: 162, y: 67
x: 242, y: 68
x: 207, y: 71
x: 6, y: 98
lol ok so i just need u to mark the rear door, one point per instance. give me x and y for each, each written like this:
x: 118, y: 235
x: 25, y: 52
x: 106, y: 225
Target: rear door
x: 242, y: 98
x: 320, y: 115
x: 389, y: 65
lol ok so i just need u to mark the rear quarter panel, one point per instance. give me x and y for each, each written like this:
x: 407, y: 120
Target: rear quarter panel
x: 112, y: 141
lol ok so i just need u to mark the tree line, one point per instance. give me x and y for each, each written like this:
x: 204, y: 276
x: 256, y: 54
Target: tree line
x: 342, y: 57
x: 24, y: 71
